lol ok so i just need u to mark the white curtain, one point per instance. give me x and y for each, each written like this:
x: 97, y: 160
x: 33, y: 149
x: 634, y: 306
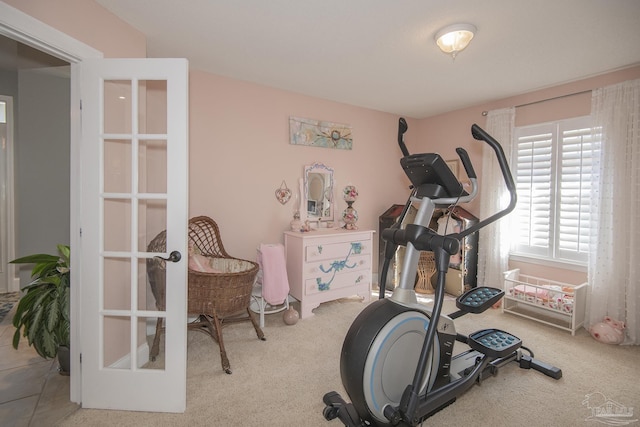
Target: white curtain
x: 494, y: 245
x: 614, y: 259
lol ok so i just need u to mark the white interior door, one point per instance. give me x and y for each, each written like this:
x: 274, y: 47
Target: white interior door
x: 134, y: 186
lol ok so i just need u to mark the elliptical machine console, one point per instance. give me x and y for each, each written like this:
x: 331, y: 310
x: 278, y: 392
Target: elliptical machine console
x: 397, y: 362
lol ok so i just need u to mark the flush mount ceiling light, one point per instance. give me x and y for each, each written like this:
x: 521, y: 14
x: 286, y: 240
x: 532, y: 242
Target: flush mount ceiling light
x: 454, y: 38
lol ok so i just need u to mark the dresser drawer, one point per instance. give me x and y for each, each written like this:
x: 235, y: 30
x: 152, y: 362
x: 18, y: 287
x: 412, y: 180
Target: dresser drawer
x: 338, y: 265
x: 330, y: 251
x: 329, y: 282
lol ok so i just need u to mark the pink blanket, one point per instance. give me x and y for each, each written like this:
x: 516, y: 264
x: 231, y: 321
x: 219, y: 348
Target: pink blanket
x: 275, y: 283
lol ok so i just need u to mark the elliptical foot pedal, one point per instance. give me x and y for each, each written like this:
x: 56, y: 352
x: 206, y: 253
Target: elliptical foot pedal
x: 479, y: 299
x: 494, y: 342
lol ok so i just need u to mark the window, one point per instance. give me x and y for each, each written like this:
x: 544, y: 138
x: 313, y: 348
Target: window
x: 553, y: 171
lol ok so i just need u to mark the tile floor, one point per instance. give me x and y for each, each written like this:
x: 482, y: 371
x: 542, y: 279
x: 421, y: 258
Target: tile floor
x: 32, y: 392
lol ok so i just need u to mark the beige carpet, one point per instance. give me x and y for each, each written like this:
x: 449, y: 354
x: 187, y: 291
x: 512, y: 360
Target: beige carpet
x: 281, y: 381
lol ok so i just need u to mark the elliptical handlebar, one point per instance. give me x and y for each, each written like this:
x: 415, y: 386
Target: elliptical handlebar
x: 481, y: 135
x: 466, y: 162
x: 402, y: 128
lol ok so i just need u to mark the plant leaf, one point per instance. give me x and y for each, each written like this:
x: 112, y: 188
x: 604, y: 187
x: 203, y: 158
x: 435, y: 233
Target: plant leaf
x: 36, y: 259
x: 16, y: 338
x: 65, y: 251
x: 48, y: 346
x: 65, y: 301
x: 52, y: 316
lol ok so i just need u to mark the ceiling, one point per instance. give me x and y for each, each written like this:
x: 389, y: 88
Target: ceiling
x: 380, y: 54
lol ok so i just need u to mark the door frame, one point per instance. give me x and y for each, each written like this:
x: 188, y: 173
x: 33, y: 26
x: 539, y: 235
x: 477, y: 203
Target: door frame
x: 25, y: 29
x: 8, y: 240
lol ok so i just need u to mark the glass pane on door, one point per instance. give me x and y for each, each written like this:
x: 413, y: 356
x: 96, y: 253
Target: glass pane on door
x: 117, y: 224
x: 117, y: 276
x: 117, y: 336
x: 117, y: 165
x: 156, y: 344
x: 152, y: 168
x: 152, y: 106
x: 117, y: 106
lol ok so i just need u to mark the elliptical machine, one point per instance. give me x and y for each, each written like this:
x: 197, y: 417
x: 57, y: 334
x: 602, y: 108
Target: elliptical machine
x: 396, y: 364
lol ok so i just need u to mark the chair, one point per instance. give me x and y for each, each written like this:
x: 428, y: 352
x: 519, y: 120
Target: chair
x: 216, y: 299
x: 426, y: 269
x: 271, y: 290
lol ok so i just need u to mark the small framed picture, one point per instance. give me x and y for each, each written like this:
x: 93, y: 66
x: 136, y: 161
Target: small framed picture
x: 311, y: 207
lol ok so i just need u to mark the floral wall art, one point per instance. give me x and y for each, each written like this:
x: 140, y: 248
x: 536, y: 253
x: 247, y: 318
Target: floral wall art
x: 317, y: 133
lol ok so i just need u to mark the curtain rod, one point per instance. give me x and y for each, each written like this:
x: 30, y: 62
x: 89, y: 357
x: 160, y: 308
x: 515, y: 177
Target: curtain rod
x: 484, y: 113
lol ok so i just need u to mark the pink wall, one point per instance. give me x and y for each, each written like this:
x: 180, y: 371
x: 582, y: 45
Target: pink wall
x: 240, y: 154
x: 88, y: 22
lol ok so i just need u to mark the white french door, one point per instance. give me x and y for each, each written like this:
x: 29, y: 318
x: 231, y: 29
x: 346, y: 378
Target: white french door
x: 134, y: 186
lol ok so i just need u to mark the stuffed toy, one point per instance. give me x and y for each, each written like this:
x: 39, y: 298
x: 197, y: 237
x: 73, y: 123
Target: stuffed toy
x: 609, y: 331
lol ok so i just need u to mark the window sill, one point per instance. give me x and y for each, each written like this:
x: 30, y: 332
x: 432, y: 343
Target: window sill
x: 565, y: 265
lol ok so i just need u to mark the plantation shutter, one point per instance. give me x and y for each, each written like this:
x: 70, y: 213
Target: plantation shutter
x: 534, y: 177
x: 576, y: 162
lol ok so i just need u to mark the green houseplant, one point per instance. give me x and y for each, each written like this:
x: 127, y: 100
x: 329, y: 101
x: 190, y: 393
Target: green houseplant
x: 42, y: 314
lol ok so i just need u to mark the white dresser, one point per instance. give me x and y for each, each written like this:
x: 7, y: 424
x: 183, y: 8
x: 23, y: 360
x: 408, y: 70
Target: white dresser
x: 327, y: 264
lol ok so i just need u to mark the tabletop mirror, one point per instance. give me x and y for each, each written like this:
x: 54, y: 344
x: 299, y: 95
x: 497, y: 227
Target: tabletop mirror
x: 318, y: 192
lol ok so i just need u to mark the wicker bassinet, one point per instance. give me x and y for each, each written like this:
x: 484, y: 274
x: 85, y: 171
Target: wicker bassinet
x: 215, y: 298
